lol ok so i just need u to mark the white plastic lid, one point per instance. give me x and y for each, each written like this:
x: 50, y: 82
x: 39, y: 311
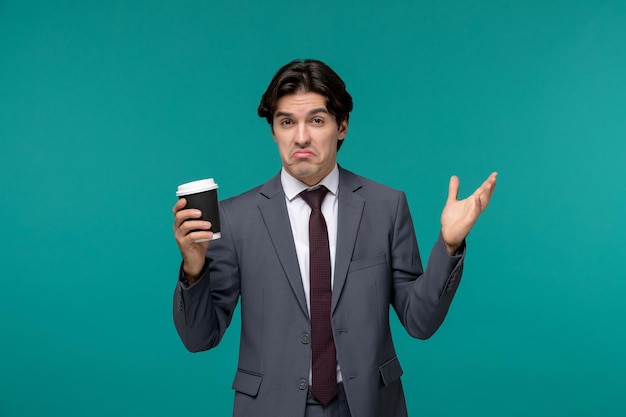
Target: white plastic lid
x: 196, y: 187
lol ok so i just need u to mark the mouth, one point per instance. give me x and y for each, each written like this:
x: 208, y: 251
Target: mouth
x: 303, y: 154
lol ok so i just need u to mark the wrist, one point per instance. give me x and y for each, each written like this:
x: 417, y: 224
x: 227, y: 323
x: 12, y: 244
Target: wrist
x: 192, y: 273
x: 452, y: 250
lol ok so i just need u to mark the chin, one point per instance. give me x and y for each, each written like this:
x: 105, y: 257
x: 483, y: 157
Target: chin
x: 304, y: 174
x: 303, y: 168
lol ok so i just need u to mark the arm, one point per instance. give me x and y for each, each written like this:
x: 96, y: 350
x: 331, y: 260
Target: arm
x: 208, y: 287
x: 421, y: 298
x: 422, y: 301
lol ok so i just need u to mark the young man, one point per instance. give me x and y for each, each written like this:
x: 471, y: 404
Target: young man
x: 316, y: 279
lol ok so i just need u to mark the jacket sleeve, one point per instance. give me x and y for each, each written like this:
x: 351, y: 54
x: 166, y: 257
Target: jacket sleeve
x: 204, y: 310
x: 421, y: 298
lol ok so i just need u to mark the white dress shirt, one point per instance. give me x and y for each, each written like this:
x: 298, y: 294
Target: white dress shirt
x: 299, y: 213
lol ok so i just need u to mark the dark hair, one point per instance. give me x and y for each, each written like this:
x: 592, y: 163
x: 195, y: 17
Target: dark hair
x: 308, y: 75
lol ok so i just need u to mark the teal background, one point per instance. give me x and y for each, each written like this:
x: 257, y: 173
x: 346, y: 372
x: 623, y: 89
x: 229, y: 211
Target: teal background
x: 105, y: 107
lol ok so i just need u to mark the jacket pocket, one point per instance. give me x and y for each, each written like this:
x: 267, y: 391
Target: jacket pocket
x: 390, y: 371
x: 367, y: 262
x: 247, y: 382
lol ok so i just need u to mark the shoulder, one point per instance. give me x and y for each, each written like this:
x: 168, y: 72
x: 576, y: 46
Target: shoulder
x: 242, y: 202
x: 252, y: 197
x: 251, y: 194
x: 367, y: 188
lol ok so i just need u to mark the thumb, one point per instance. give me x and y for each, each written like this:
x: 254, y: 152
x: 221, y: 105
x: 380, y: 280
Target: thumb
x: 453, y: 188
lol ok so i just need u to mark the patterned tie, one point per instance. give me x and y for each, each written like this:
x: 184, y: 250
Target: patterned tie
x: 324, y: 384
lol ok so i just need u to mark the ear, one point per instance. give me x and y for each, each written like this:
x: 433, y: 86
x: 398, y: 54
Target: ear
x: 343, y: 130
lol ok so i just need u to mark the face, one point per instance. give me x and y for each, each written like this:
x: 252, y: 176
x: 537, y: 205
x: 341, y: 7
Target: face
x: 306, y: 135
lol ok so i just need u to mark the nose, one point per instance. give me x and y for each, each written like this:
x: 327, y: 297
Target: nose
x: 302, y: 135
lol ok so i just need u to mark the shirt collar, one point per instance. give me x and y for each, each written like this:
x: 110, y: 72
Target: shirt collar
x: 292, y: 186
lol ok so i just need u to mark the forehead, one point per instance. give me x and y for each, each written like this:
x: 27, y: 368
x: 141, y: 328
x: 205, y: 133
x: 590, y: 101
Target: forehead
x: 300, y: 102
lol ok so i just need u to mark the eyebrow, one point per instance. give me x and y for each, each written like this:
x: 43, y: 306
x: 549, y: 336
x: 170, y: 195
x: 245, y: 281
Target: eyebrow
x: 310, y: 113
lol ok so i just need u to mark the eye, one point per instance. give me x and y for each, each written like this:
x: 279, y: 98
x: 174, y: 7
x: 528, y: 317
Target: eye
x: 286, y: 122
x: 317, y: 121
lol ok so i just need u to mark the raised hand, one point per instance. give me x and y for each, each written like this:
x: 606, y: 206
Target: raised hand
x: 459, y: 216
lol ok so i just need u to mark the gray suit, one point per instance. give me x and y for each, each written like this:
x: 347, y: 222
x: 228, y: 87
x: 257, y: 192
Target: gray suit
x: 377, y: 265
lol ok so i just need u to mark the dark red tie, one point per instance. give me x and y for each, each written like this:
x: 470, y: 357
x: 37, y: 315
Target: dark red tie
x: 324, y: 384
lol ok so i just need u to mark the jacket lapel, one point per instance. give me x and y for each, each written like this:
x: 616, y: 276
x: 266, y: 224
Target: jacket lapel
x: 348, y: 221
x: 274, y: 212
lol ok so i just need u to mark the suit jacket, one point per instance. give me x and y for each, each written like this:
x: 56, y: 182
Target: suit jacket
x: 377, y: 265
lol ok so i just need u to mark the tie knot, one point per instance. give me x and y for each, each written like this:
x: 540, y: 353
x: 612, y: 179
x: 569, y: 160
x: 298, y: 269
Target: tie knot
x: 314, y: 197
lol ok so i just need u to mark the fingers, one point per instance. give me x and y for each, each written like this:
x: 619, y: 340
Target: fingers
x: 188, y: 225
x: 484, y: 192
x: 198, y: 236
x: 491, y: 180
x: 192, y: 237
x: 185, y: 227
x: 490, y: 183
x: 453, y: 188
x: 487, y: 185
x: 180, y: 204
x: 181, y: 214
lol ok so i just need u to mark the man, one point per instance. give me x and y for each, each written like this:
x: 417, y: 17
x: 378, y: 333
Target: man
x: 316, y: 279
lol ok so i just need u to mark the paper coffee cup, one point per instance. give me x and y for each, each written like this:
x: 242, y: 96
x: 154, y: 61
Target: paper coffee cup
x: 202, y: 195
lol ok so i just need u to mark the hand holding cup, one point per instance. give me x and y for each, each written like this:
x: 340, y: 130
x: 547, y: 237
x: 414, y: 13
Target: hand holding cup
x: 196, y: 222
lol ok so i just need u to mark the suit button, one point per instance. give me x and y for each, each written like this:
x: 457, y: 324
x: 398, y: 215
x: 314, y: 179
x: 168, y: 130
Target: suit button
x: 302, y: 384
x: 305, y: 338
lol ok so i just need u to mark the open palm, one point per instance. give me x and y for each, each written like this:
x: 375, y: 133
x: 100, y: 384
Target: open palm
x: 459, y: 216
